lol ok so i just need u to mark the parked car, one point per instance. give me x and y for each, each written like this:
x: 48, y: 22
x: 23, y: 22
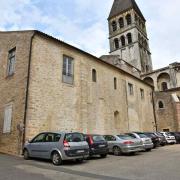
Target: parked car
x: 154, y: 138
x: 123, y: 144
x: 97, y: 145
x: 177, y: 136
x: 147, y: 142
x: 169, y: 137
x: 58, y: 147
x: 162, y: 139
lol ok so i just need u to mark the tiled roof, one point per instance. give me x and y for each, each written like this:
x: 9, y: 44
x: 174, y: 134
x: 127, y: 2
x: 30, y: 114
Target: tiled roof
x: 120, y: 6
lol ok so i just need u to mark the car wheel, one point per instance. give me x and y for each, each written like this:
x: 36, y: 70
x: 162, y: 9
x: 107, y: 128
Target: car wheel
x: 117, y: 151
x: 103, y: 155
x: 26, y: 154
x: 147, y: 150
x: 56, y: 159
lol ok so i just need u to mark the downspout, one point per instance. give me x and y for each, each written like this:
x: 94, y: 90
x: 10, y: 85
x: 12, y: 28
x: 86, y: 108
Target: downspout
x: 154, y: 111
x: 127, y: 105
x: 27, y: 91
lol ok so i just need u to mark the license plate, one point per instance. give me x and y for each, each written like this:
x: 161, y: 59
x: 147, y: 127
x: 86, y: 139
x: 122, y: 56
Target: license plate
x: 80, y: 151
x: 102, y: 145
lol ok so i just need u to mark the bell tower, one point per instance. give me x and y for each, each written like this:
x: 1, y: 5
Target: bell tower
x: 128, y: 36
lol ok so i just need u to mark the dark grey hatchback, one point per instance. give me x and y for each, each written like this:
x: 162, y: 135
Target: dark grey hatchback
x: 57, y: 146
x: 97, y: 145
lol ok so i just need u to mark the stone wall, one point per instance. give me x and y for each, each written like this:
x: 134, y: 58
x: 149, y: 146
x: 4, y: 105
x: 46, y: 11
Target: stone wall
x: 167, y: 117
x: 13, y: 88
x: 177, y: 111
x: 85, y: 106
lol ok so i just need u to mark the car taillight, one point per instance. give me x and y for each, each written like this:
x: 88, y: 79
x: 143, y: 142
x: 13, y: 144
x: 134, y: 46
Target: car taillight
x: 66, y: 144
x: 128, y: 142
x: 90, y: 140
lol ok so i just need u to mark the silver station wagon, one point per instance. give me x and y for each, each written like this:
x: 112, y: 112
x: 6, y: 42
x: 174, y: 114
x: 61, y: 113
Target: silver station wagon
x: 147, y: 142
x: 58, y: 147
x: 123, y: 144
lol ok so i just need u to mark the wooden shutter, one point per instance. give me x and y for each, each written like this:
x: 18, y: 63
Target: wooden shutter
x: 7, y: 119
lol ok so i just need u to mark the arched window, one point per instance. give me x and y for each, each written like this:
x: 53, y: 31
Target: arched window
x: 147, y: 68
x: 123, y: 41
x: 114, y: 26
x: 129, y: 37
x: 164, y: 86
x: 116, y: 43
x: 135, y: 18
x: 94, y: 76
x: 117, y: 119
x: 121, y: 22
x: 161, y: 105
x: 145, y: 44
x: 128, y: 19
x: 115, y: 83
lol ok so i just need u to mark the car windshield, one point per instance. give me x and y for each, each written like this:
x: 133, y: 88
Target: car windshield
x: 125, y: 137
x: 97, y: 138
x: 74, y: 137
x: 141, y: 135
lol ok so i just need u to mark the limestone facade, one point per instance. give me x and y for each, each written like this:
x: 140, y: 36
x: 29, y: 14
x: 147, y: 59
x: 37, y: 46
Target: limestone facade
x: 51, y: 105
x: 167, y: 105
x: 13, y: 88
x: 137, y: 52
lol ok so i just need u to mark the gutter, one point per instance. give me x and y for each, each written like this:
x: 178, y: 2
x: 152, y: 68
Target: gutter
x: 27, y: 91
x: 154, y: 111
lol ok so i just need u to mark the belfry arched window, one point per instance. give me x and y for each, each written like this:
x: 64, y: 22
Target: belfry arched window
x: 129, y: 37
x: 114, y: 26
x: 121, y: 22
x: 128, y: 19
x: 116, y: 43
x: 164, y: 86
x: 123, y: 41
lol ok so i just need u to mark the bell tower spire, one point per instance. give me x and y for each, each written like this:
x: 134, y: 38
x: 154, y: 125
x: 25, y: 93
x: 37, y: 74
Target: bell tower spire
x: 128, y: 36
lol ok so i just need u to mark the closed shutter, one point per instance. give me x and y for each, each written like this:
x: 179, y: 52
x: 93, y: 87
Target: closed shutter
x: 7, y: 119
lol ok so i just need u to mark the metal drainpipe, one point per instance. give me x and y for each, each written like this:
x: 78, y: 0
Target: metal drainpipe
x: 154, y: 111
x: 27, y: 91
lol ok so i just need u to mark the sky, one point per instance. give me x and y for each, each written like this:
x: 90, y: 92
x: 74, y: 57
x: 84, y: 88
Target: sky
x: 83, y: 23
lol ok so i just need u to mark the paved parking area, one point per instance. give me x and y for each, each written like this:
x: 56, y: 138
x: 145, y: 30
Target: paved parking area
x: 160, y: 164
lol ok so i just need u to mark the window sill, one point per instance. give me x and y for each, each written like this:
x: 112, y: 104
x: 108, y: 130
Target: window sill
x: 10, y: 76
x: 68, y: 84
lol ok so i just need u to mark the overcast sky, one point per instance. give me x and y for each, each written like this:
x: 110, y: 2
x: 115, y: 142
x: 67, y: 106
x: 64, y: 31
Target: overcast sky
x: 83, y: 23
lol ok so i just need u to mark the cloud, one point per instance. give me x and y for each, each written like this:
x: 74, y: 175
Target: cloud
x: 84, y: 23
x: 163, y: 29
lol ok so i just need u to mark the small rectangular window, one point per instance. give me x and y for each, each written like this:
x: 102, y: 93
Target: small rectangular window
x: 142, y: 93
x: 115, y: 83
x: 130, y: 88
x: 11, y: 62
x: 68, y: 69
x: 7, y: 118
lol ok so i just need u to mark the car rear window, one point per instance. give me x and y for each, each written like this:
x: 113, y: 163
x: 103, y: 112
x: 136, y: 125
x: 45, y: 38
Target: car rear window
x: 97, y: 138
x: 141, y: 135
x: 169, y: 134
x: 125, y: 137
x: 74, y: 137
x: 159, y: 134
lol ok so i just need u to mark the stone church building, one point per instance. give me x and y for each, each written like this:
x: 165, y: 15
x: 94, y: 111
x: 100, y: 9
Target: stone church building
x: 49, y: 85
